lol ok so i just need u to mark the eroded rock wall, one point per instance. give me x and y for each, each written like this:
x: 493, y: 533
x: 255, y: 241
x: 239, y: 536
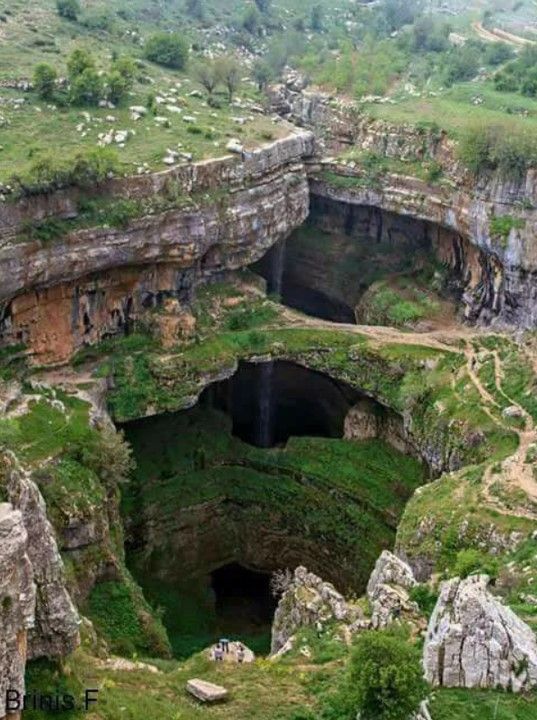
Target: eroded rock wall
x: 90, y: 283
x: 17, y: 602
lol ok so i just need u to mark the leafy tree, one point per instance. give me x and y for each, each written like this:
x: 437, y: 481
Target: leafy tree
x: 87, y: 88
x: 462, y: 64
x: 79, y: 60
x: 69, y: 9
x: 168, y: 49
x: 251, y: 20
x: 45, y: 80
x: 399, y: 12
x: 230, y: 73
x: 262, y: 73
x: 386, y: 676
x: 118, y: 86
x: 316, y: 18
x: 125, y: 66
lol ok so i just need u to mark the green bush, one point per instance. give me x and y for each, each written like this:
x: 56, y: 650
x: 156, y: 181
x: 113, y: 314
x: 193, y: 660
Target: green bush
x: 424, y: 597
x: 69, y: 9
x: 85, y: 169
x: 87, y: 88
x: 168, y: 49
x: 498, y: 147
x: 386, y: 676
x: 501, y: 225
x: 44, y: 80
x: 470, y: 561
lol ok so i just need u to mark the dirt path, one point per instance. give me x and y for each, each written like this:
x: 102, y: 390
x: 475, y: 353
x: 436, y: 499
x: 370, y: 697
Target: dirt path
x: 514, y: 472
x: 497, y: 35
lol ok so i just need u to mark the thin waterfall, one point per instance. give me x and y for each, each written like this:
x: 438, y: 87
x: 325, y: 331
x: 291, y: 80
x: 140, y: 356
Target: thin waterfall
x: 264, y: 427
x: 275, y: 283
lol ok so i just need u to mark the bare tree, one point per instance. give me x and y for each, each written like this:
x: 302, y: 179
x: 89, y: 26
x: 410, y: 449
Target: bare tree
x: 207, y: 74
x: 230, y: 72
x: 280, y: 582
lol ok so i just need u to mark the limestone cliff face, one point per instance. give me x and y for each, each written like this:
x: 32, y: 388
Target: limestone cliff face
x: 498, y: 274
x: 54, y: 630
x: 90, y: 283
x: 17, y: 601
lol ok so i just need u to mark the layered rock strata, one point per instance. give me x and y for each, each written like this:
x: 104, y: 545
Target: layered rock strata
x: 90, y: 283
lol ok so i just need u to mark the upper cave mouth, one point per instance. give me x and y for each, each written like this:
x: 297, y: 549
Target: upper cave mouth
x: 329, y: 267
x: 269, y: 402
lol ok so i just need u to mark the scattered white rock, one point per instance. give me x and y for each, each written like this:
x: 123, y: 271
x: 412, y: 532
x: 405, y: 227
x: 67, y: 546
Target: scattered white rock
x: 205, y: 691
x: 235, y: 146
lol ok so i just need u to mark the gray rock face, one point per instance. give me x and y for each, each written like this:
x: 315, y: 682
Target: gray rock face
x: 474, y: 641
x: 307, y: 601
x: 17, y: 601
x: 387, y: 591
x: 55, y: 631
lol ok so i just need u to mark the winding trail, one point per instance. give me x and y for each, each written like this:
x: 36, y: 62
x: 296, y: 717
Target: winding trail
x: 497, y: 35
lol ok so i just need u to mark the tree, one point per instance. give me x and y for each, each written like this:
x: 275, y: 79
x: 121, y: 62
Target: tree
x: 79, y: 60
x: 45, y: 80
x: 207, y: 74
x: 118, y: 87
x: 251, y: 20
x: 125, y: 66
x: 262, y: 73
x: 87, y: 88
x: 168, y: 49
x: 230, y: 73
x: 316, y: 18
x: 386, y: 675
x: 69, y: 9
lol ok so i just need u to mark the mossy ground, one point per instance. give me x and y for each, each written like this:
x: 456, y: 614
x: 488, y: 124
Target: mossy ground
x: 343, y: 495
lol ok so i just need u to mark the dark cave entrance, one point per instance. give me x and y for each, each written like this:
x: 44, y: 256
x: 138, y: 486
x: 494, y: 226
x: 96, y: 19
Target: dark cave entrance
x: 244, y: 603
x: 270, y: 402
x: 326, y: 267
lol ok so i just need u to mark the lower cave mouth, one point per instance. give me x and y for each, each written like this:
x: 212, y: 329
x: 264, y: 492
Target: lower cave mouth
x: 244, y: 603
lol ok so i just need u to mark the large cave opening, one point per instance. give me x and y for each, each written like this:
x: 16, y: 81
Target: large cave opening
x: 222, y: 498
x: 244, y: 601
x: 360, y: 264
x: 269, y: 402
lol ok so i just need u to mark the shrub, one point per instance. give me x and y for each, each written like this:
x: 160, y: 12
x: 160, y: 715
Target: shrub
x: 79, y: 60
x: 44, y: 80
x: 69, y: 9
x: 501, y: 225
x: 118, y: 87
x: 168, y: 49
x: 386, y: 676
x: 470, y: 561
x: 424, y: 597
x: 87, y: 88
x: 497, y: 147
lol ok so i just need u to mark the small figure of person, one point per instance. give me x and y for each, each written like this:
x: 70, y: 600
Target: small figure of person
x: 240, y: 653
x: 218, y: 653
x: 224, y: 642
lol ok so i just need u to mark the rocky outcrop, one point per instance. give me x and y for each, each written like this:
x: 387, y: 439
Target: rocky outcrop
x: 55, y: 630
x: 387, y: 591
x: 308, y: 601
x: 17, y: 601
x: 474, y: 641
x: 88, y: 283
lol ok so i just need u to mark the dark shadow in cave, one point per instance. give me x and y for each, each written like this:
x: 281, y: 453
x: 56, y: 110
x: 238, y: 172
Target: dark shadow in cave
x: 273, y: 401
x: 324, y: 267
x: 243, y: 599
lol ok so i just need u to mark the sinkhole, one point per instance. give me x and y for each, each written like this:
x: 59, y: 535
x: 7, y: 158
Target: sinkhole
x: 276, y: 467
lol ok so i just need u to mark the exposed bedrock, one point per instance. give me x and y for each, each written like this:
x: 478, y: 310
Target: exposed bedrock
x: 17, y: 601
x: 92, y: 282
x: 54, y: 631
x: 475, y: 641
x: 497, y: 279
